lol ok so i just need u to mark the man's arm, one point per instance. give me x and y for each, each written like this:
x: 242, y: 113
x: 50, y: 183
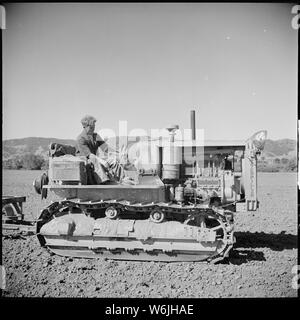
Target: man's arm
x: 83, y: 147
x: 106, y: 148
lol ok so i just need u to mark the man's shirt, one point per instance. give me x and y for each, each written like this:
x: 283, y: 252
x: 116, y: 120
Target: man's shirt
x: 87, y: 144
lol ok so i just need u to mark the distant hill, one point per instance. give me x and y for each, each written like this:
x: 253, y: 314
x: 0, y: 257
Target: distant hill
x: 280, y: 147
x: 35, y: 145
x: 276, y: 156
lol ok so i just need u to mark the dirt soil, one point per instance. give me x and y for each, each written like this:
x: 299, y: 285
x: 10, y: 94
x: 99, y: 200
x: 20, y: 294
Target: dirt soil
x: 260, y: 264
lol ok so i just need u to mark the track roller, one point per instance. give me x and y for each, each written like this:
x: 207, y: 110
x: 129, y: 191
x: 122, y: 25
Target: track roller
x: 112, y: 212
x: 157, y: 216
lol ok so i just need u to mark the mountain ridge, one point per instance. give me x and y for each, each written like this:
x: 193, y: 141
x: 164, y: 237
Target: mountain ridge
x: 277, y: 155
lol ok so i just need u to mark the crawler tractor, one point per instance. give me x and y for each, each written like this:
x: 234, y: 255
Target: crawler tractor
x: 180, y: 208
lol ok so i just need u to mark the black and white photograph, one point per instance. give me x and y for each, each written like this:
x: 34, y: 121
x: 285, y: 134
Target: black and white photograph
x: 149, y: 150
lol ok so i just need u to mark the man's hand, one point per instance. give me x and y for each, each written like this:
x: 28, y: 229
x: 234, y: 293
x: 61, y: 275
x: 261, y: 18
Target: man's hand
x: 93, y: 158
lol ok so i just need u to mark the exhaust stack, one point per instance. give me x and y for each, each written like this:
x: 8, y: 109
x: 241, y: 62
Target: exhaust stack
x: 193, y: 125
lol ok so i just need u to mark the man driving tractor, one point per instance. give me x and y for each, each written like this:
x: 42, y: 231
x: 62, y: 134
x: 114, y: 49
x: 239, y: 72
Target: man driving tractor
x: 88, y: 143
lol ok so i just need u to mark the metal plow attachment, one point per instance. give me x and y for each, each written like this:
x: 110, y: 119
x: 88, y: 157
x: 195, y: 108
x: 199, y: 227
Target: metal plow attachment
x: 77, y: 235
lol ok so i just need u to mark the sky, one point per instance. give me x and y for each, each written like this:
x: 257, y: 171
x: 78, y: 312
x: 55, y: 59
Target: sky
x: 149, y: 64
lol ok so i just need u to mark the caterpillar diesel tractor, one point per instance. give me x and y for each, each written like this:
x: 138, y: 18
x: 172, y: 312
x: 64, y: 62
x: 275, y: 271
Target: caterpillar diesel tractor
x: 180, y: 207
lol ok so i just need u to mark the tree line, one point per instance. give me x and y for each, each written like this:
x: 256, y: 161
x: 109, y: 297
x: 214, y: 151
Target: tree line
x: 29, y: 161
x: 284, y: 165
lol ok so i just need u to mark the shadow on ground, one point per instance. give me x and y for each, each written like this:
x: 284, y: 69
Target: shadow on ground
x: 244, y: 256
x: 246, y: 242
x: 276, y: 242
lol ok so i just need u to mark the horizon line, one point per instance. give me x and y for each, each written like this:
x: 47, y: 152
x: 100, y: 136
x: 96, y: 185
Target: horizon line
x: 40, y: 137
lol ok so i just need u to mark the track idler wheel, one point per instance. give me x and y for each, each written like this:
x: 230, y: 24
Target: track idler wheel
x: 157, y: 216
x: 112, y: 212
